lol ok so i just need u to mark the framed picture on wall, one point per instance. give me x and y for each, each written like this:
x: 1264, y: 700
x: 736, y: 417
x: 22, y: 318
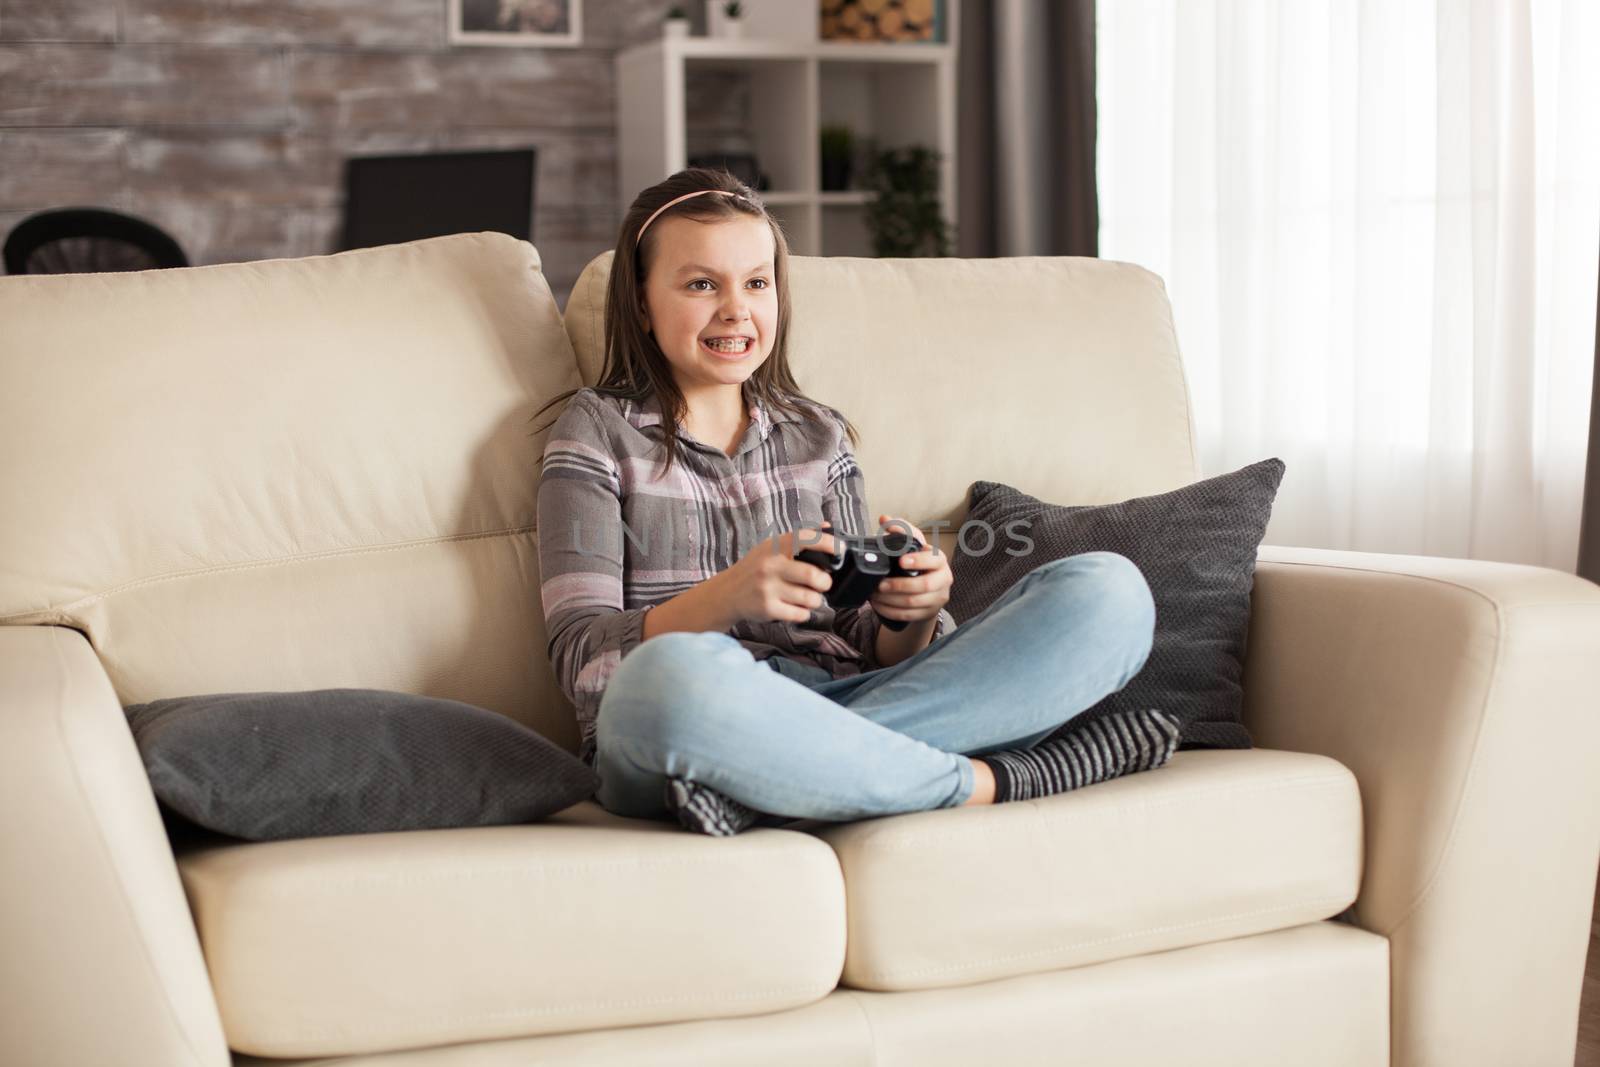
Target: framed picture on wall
x: 516, y: 23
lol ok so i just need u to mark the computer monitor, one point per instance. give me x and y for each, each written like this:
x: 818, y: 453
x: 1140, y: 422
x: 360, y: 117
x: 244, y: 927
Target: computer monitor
x: 389, y: 199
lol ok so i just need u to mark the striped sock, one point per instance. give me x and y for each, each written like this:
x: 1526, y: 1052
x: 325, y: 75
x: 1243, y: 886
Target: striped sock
x: 703, y: 809
x: 1117, y: 744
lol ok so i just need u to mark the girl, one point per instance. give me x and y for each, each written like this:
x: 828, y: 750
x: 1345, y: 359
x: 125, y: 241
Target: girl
x: 713, y: 684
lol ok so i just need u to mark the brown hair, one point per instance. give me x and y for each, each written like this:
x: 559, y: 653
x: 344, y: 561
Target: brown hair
x: 635, y: 367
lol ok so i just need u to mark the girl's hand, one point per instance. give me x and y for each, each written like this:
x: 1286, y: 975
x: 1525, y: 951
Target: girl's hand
x: 770, y: 584
x: 914, y: 599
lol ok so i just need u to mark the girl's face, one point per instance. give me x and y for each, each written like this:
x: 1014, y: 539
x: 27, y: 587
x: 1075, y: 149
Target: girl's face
x: 709, y: 287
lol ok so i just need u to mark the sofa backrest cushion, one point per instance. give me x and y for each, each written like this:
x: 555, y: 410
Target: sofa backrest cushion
x: 1059, y: 375
x: 288, y: 475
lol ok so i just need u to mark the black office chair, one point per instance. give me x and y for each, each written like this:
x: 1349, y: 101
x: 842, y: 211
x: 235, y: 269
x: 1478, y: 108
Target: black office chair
x: 83, y: 240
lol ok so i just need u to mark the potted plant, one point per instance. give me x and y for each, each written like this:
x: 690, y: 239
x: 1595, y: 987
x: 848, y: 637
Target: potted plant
x: 838, y: 145
x: 676, y: 22
x: 904, y: 216
x: 727, y: 18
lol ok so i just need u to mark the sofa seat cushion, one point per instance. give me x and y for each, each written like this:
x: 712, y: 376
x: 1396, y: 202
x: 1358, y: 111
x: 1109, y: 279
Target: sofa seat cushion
x: 1215, y: 844
x: 371, y: 942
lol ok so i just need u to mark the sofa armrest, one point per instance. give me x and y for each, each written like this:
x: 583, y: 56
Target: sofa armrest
x: 1463, y: 696
x: 101, y: 962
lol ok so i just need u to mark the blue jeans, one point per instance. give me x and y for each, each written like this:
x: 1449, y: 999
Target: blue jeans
x: 785, y: 738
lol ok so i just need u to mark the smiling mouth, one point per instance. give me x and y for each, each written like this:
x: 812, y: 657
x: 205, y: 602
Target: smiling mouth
x: 731, y: 347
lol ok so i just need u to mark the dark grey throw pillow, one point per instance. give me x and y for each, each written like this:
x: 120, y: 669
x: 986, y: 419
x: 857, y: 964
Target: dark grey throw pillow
x: 264, y: 766
x: 1196, y: 547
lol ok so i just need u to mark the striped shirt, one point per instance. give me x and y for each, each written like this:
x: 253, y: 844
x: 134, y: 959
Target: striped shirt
x: 615, y: 540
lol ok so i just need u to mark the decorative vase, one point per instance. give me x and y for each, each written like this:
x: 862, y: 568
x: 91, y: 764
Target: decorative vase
x: 674, y: 27
x: 722, y: 25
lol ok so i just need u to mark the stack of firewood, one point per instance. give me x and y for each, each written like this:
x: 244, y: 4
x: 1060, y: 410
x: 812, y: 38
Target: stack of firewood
x: 878, y: 20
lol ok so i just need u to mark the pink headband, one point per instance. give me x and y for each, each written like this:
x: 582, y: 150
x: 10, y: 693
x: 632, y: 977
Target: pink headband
x: 679, y: 200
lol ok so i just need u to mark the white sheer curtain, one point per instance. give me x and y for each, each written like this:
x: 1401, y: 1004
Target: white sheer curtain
x: 1379, y: 225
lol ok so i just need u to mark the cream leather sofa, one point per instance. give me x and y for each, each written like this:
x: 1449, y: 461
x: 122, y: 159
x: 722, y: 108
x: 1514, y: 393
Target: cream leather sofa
x: 314, y: 473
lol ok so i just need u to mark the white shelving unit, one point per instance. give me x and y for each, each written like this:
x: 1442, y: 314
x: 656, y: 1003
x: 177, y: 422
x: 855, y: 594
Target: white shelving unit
x: 897, y: 94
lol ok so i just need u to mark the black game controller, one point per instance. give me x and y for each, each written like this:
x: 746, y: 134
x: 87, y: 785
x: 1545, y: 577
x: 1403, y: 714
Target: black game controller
x: 860, y: 564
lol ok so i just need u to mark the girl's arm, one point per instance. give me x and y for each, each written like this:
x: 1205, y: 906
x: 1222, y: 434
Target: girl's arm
x: 580, y: 562
x: 895, y: 645
x: 932, y: 583
x: 844, y: 503
x: 699, y: 608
